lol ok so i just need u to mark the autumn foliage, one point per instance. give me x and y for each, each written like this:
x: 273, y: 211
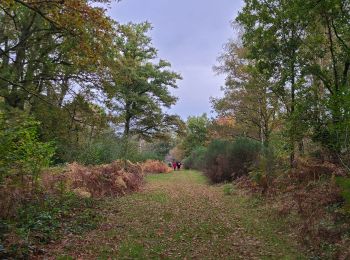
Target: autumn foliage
x: 154, y: 166
x: 311, y: 193
x: 117, y: 178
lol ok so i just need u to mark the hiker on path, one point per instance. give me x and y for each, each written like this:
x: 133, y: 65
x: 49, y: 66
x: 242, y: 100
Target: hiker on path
x: 174, y: 165
x: 178, y: 164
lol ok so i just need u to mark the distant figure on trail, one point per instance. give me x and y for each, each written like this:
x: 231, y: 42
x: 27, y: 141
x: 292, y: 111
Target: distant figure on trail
x: 174, y: 165
x: 178, y: 164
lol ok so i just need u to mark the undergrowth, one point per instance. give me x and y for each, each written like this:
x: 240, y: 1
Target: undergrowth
x: 344, y: 184
x: 45, y: 220
x: 155, y: 166
x: 314, y: 206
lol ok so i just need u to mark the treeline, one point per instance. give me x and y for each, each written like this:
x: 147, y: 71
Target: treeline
x: 288, y: 76
x: 287, y: 80
x: 76, y: 85
x: 282, y: 130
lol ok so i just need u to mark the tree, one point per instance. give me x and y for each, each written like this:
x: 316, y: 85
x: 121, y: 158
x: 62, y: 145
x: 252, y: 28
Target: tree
x: 54, y: 56
x: 273, y: 34
x: 248, y: 99
x: 140, y: 87
x: 196, y: 133
x: 301, y: 48
x: 327, y: 52
x: 223, y: 127
x: 49, y: 48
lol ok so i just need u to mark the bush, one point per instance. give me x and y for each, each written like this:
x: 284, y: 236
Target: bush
x: 44, y: 219
x: 226, y: 161
x: 21, y: 153
x: 196, y: 160
x: 113, y: 179
x: 104, y: 149
x: 228, y: 189
x: 108, y: 148
x: 344, y: 184
x: 153, y: 166
x: 130, y: 150
x: 145, y: 156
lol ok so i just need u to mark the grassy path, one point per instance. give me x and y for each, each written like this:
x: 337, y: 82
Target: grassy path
x: 179, y: 216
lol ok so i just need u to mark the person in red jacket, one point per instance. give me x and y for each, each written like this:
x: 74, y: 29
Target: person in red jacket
x: 174, y: 165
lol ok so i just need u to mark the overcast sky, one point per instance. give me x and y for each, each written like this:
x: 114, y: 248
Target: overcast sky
x: 189, y: 34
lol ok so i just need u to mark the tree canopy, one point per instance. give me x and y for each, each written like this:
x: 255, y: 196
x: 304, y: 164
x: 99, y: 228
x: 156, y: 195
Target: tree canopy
x: 82, y: 75
x: 290, y: 73
x: 139, y: 90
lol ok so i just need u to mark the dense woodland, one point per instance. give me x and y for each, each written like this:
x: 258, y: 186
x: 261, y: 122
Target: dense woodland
x: 80, y: 92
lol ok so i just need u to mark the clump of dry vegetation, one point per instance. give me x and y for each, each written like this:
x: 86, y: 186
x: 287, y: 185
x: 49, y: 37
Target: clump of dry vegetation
x: 117, y: 178
x: 12, y: 196
x: 154, y: 166
x: 310, y: 198
x: 60, y: 203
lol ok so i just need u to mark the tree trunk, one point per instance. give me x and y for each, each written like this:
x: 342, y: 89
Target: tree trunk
x: 292, y: 111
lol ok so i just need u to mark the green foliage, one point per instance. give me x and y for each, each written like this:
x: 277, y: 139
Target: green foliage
x: 196, y: 134
x: 74, y: 127
x: 264, y: 168
x: 302, y: 50
x: 196, y: 160
x: 228, y: 189
x: 61, y: 83
x: 46, y: 219
x: 147, y: 155
x: 140, y: 87
x: 132, y: 151
x: 344, y: 184
x: 108, y: 147
x: 102, y: 150
x: 227, y: 160
x: 160, y: 149
x: 133, y: 251
x: 21, y: 153
x: 248, y: 98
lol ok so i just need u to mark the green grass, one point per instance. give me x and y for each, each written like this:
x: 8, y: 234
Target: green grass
x: 131, y: 250
x: 179, y: 177
x: 228, y: 189
x: 160, y: 197
x: 178, y: 216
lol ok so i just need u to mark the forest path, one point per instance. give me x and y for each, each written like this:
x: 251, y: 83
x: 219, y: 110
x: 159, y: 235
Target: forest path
x: 180, y: 216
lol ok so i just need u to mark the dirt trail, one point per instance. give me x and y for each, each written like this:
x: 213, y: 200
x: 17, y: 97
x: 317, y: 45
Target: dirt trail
x: 180, y: 216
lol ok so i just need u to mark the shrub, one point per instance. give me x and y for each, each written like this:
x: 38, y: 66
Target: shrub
x: 21, y: 153
x: 44, y: 219
x: 344, y: 184
x: 104, y: 149
x: 196, y: 160
x: 264, y: 168
x: 226, y: 160
x: 112, y: 179
x: 153, y: 166
x: 228, y: 189
x: 146, y: 155
x: 108, y: 148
